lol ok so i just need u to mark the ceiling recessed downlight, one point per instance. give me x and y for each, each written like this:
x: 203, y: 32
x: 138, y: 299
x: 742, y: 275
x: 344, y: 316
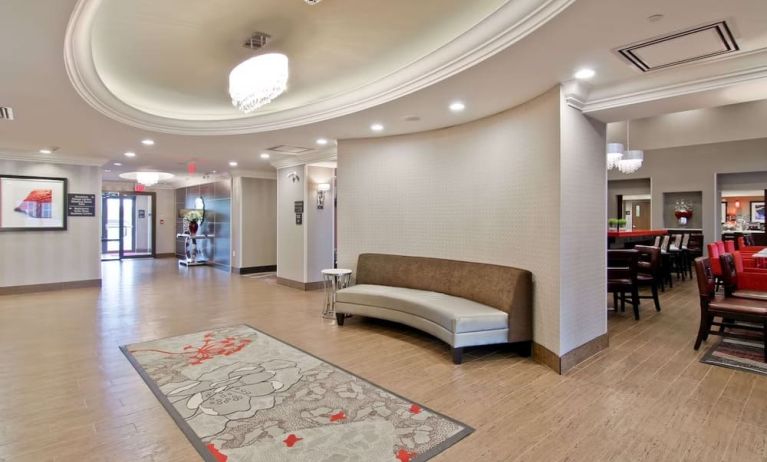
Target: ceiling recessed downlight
x: 265, y: 155
x: 322, y: 141
x: 46, y: 151
x: 457, y: 106
x: 130, y: 154
x: 118, y: 164
x: 147, y: 142
x: 377, y: 127
x: 232, y: 164
x: 584, y: 74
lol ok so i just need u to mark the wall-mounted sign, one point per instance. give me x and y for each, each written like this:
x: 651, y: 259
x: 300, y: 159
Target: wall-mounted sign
x: 298, y: 206
x: 81, y: 205
x: 299, y: 219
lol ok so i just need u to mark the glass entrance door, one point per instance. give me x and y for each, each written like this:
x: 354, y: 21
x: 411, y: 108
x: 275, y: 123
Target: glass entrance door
x: 127, y: 225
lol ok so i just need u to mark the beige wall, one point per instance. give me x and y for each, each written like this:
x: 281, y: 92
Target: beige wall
x: 319, y: 242
x: 291, y: 243
x: 489, y: 191
x: 695, y: 168
x: 254, y: 222
x: 43, y: 257
x: 165, y: 209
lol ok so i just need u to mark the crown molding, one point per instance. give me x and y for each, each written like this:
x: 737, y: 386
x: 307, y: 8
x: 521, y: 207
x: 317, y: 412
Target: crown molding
x: 576, y: 93
x: 318, y: 156
x: 272, y: 175
x: 64, y: 159
x: 677, y: 89
x: 508, y: 24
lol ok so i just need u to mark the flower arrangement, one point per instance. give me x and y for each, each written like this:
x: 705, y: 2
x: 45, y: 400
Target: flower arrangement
x: 193, y: 216
x: 682, y: 210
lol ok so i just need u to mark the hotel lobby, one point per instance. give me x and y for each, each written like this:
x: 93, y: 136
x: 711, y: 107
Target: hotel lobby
x: 348, y: 230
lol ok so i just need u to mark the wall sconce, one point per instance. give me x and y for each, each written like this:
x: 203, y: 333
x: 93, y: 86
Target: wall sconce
x: 737, y: 204
x: 294, y: 177
x: 321, y: 190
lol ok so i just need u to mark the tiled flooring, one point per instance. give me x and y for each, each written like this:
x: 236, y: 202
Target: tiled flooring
x: 68, y: 394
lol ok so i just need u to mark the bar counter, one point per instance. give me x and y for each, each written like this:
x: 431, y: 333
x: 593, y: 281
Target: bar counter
x: 628, y: 239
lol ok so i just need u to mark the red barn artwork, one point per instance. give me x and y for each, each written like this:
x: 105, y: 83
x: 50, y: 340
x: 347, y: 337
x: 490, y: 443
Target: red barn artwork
x: 37, y: 204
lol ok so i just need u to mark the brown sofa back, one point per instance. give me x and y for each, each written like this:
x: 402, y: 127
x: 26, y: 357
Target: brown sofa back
x: 505, y: 288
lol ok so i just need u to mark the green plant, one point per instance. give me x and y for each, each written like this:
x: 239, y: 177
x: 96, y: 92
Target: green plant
x: 616, y: 221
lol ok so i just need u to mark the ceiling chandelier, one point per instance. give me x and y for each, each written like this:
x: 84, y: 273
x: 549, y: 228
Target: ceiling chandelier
x: 146, y: 178
x: 257, y: 81
x: 628, y: 161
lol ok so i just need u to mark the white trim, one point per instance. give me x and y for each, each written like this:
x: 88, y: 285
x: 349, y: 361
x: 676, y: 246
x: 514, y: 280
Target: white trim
x: 24, y: 156
x: 677, y: 89
x: 272, y: 175
x: 511, y: 22
x: 319, y: 156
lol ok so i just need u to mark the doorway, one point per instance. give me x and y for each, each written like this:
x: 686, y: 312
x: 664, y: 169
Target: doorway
x: 127, y: 225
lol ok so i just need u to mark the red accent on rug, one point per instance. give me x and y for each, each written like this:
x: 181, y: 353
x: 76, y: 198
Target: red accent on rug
x: 291, y: 440
x: 404, y: 456
x: 210, y: 349
x: 337, y: 417
x: 220, y: 457
x: 415, y: 409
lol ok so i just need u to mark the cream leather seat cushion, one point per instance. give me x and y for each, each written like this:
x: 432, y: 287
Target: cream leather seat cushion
x: 455, y: 314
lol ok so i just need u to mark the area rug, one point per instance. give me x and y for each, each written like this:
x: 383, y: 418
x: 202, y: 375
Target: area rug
x: 241, y: 395
x: 745, y: 355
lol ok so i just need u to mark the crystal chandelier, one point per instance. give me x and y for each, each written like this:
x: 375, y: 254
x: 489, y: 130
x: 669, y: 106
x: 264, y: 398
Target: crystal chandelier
x: 614, y: 155
x: 258, y: 81
x: 628, y: 161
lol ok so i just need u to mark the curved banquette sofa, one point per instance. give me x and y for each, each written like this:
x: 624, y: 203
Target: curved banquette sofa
x: 461, y: 303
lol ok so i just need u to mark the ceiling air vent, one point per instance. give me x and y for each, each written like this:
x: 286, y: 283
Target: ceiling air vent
x: 289, y: 149
x: 683, y: 47
x: 257, y: 41
x: 6, y: 113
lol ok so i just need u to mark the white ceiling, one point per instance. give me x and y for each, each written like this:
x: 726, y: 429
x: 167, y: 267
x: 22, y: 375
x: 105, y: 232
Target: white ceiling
x: 34, y: 81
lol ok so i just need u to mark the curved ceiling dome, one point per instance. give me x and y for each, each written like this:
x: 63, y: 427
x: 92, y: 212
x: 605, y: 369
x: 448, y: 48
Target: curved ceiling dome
x: 164, y: 65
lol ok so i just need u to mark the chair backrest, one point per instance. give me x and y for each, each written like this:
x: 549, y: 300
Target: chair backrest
x: 729, y: 246
x: 622, y: 264
x: 720, y: 246
x: 696, y: 242
x: 713, y: 250
x: 740, y: 242
x: 665, y: 242
x: 657, y: 241
x: 749, y: 240
x: 685, y: 239
x: 649, y: 260
x: 677, y: 240
x: 713, y: 255
x: 729, y: 273
x: 706, y: 280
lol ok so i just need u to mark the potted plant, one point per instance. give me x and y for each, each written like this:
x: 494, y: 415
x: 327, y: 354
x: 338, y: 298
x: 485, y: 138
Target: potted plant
x: 617, y: 222
x: 194, y: 217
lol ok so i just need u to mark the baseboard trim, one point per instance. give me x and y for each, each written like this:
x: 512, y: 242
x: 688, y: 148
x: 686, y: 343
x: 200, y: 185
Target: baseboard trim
x: 165, y: 255
x: 255, y: 269
x: 299, y: 285
x: 15, y: 290
x: 563, y: 364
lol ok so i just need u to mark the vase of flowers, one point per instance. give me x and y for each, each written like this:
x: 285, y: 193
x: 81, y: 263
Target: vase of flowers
x: 194, y: 217
x: 682, y: 212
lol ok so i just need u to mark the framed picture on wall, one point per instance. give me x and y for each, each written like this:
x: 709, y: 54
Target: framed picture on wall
x: 32, y: 203
x: 724, y: 211
x: 757, y: 211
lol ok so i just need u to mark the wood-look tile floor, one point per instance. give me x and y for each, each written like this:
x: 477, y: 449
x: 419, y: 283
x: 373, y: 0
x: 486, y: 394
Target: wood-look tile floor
x: 68, y: 394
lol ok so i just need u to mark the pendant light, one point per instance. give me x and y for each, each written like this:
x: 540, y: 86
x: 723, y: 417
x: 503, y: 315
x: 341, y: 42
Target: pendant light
x: 632, y: 158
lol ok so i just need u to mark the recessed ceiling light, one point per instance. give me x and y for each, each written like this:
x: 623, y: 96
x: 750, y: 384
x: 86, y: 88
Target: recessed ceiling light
x: 130, y: 154
x: 457, y: 106
x: 147, y: 142
x: 118, y: 164
x: 584, y: 74
x: 108, y: 170
x: 46, y: 151
x: 377, y: 127
x: 232, y: 164
x: 265, y: 155
x: 322, y: 141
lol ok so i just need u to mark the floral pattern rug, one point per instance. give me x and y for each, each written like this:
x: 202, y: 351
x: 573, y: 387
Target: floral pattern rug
x: 240, y: 395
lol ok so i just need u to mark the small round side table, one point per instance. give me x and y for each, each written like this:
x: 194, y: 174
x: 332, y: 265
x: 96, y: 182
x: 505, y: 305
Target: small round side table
x: 333, y: 280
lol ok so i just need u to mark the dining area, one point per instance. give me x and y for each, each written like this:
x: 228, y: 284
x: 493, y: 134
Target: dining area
x: 647, y: 267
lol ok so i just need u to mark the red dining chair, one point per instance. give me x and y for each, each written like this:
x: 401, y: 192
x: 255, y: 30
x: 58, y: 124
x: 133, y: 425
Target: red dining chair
x: 729, y: 246
x: 739, y: 283
x: 716, y: 265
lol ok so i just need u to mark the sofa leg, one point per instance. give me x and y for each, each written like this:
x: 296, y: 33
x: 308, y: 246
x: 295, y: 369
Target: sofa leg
x: 457, y: 355
x: 340, y: 318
